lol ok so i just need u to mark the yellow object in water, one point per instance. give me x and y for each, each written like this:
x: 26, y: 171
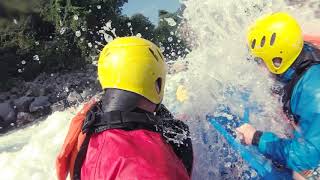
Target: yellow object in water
x: 182, y: 93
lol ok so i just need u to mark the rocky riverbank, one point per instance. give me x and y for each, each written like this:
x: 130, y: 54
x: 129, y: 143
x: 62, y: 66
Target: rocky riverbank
x: 28, y: 102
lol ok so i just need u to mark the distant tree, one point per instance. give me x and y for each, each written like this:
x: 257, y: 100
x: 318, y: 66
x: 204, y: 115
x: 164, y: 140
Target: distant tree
x: 167, y: 35
x: 47, y: 36
x: 141, y: 24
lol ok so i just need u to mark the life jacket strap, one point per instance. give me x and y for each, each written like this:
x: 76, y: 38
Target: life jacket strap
x: 163, y: 122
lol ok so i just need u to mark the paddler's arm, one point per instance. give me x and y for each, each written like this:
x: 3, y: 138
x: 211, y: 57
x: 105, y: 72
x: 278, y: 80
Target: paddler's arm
x: 300, y: 153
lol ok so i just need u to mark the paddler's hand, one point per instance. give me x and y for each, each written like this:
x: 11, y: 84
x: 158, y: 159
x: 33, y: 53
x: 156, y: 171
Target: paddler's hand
x: 246, y: 131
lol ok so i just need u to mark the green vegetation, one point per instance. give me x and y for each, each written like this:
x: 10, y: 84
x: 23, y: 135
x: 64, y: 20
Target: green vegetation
x: 39, y: 36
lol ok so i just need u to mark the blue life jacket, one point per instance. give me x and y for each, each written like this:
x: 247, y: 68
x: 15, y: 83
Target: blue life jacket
x: 301, y: 99
x: 305, y: 61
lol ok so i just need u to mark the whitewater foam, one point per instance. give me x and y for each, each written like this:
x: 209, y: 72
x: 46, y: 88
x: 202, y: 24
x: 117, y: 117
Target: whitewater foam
x: 219, y: 73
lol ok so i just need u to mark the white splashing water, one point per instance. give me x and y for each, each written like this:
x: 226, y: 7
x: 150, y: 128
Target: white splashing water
x: 78, y: 33
x: 76, y: 17
x: 63, y: 30
x: 108, y: 28
x: 30, y: 153
x: 217, y: 64
x: 36, y: 58
x: 170, y: 21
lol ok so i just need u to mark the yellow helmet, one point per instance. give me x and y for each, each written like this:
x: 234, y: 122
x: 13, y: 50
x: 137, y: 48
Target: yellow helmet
x: 133, y: 64
x: 276, y: 39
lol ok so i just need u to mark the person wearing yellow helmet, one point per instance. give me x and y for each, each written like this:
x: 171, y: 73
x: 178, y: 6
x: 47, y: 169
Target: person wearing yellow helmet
x: 277, y: 40
x: 128, y: 133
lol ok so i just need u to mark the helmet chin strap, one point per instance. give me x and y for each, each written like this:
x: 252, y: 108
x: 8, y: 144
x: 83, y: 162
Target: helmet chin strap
x: 306, y: 57
x: 286, y: 76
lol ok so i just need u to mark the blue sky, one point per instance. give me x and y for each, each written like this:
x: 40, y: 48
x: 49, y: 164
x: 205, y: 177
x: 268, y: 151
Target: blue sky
x: 150, y: 7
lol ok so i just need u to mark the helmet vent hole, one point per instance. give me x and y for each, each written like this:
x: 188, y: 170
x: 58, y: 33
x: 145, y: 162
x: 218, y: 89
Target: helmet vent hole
x: 277, y: 61
x: 273, y: 39
x: 263, y: 41
x: 258, y: 60
x: 154, y: 55
x: 160, y: 55
x: 158, y: 85
x: 253, y: 44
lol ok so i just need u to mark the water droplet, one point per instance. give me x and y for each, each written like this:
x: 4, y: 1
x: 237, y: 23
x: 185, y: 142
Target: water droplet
x: 146, y: 28
x: 170, y: 39
x: 83, y: 28
x: 170, y: 21
x: 171, y: 33
x: 139, y: 35
x: 228, y: 164
x: 173, y: 54
x: 23, y: 62
x: 99, y: 7
x: 162, y: 49
x: 51, y: 74
x: 109, y: 25
x: 15, y: 21
x: 12, y: 124
x: 78, y: 33
x: 253, y: 174
x: 50, y: 37
x: 36, y: 58
x: 37, y: 43
x: 62, y: 30
x: 76, y: 17
x: 90, y: 44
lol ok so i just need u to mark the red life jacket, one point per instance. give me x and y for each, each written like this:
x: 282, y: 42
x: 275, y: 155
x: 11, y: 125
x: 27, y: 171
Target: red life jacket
x: 72, y: 143
x: 126, y: 150
x: 315, y: 40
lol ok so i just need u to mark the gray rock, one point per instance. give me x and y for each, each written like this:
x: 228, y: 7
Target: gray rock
x: 4, y: 96
x: 86, y: 94
x: 58, y: 106
x: 13, y: 96
x: 24, y: 118
x: 91, y: 67
x: 37, y: 90
x: 22, y: 104
x: 40, y: 103
x: 74, y: 98
x: 14, y: 90
x: 7, y: 114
